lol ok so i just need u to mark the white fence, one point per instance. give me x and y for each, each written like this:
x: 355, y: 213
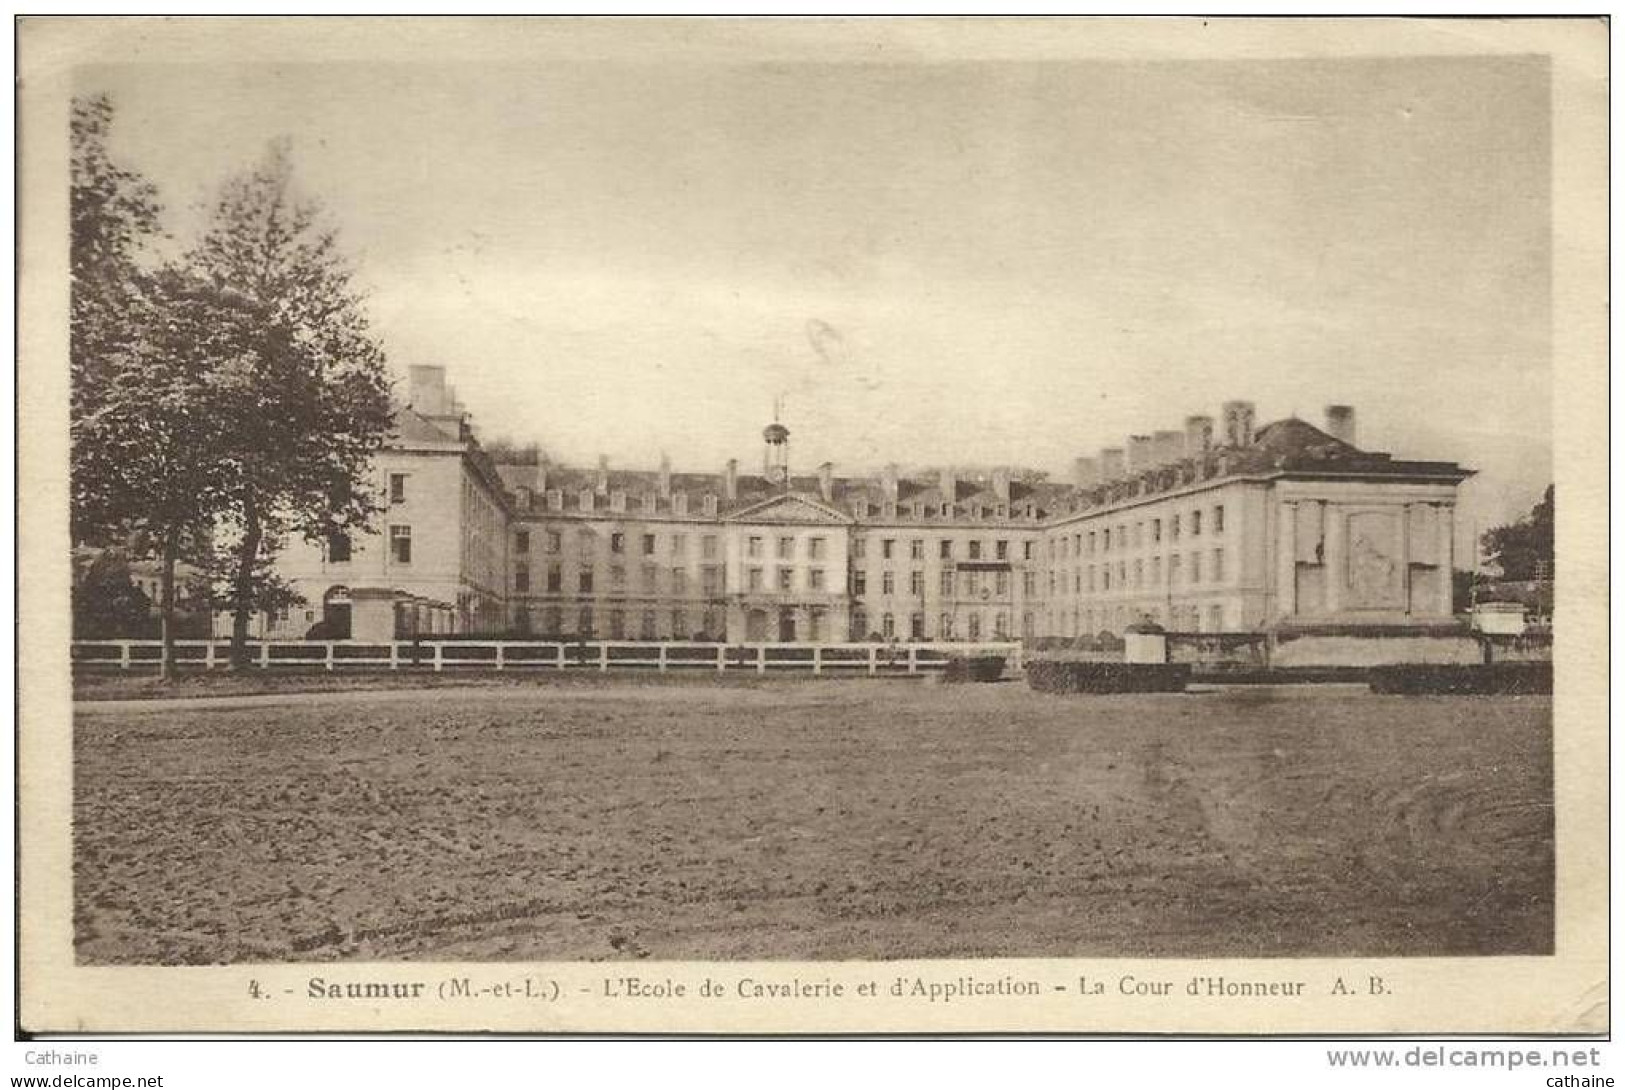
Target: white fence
x: 442, y: 655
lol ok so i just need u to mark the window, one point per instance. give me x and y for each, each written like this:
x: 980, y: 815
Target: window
x: 679, y: 625
x: 584, y: 623
x: 584, y: 583
x: 1106, y: 540
x: 555, y: 499
x: 648, y: 544
x: 584, y: 542
x: 886, y: 548
x: 1105, y: 577
x: 617, y: 577
x: 521, y: 579
x: 649, y: 578
x: 916, y: 584
x: 679, y: 544
x: 711, y: 581
x: 916, y: 626
x: 708, y: 546
x: 1027, y: 553
x: 1173, y: 570
x: 815, y: 579
x: 617, y: 542
x: 1156, y: 571
x: 888, y: 626
x: 338, y: 548
x: 1001, y: 550
x: 945, y: 548
x: 679, y: 506
x: 753, y: 548
x: 1001, y: 625
x: 1139, y: 573
x: 1196, y: 524
x: 976, y: 550
x: 860, y: 582
x: 916, y: 549
x: 860, y: 625
x: 1218, y: 519
x: 815, y: 548
x: 617, y: 625
x: 646, y: 627
x: 786, y: 548
x: 1173, y: 528
x: 521, y: 541
x: 859, y: 548
x: 1218, y: 565
x: 947, y: 585
x: 1001, y: 583
x: 784, y: 579
x: 1029, y: 583
x: 555, y: 579
x: 397, y: 487
x: 888, y: 583
x: 754, y: 579
x: 1091, y: 543
x: 1196, y: 567
x: 709, y: 506
x: 617, y: 503
x: 974, y: 627
x: 400, y: 544
x: 1156, y: 531
x: 554, y: 541
x: 585, y: 499
x: 945, y: 626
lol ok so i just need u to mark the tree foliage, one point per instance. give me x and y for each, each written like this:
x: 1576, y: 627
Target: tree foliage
x: 1524, y: 547
x: 106, y: 602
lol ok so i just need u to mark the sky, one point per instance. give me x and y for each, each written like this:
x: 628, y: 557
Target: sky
x: 926, y: 263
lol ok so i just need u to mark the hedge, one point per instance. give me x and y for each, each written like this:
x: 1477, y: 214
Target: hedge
x: 1502, y: 678
x: 1107, y: 677
x: 973, y: 668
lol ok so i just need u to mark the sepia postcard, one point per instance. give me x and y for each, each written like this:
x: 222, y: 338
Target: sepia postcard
x: 901, y: 525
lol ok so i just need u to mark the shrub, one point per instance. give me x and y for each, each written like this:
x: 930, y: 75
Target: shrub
x: 1107, y: 677
x: 973, y: 668
x: 1502, y: 678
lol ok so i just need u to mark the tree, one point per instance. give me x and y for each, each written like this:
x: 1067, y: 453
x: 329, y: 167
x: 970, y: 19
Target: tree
x: 316, y: 407
x: 106, y: 603
x: 1524, y: 548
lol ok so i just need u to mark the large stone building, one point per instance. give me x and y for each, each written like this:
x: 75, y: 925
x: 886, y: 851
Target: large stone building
x: 1199, y: 529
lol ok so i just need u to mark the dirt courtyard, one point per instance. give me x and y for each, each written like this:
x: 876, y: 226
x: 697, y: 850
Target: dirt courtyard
x: 810, y: 820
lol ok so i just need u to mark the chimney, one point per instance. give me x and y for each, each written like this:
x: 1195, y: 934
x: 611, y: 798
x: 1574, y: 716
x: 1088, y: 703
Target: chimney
x: 1168, y: 447
x: 730, y: 480
x: 1198, y: 435
x: 1238, y: 423
x: 826, y: 482
x: 1085, y: 472
x: 1139, y: 453
x: 427, y: 390
x: 602, y: 483
x: 1111, y: 463
x: 541, y: 476
x: 665, y: 477
x: 948, y: 483
x: 888, y: 482
x: 1001, y: 484
x: 1340, y: 423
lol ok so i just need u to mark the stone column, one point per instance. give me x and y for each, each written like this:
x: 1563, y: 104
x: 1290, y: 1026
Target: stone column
x: 1446, y: 554
x: 1333, y: 527
x: 1286, y: 559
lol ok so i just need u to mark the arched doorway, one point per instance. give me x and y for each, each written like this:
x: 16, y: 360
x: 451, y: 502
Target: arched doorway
x: 336, y: 613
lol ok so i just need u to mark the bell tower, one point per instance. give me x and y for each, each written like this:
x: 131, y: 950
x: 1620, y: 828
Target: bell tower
x: 776, y: 455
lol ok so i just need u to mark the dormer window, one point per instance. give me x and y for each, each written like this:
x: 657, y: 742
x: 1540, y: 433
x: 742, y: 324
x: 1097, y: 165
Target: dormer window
x: 555, y: 499
x: 918, y: 511
x: 617, y: 501
x: 587, y: 499
x: 889, y: 511
x: 976, y: 511
x: 646, y: 503
x: 679, y: 503
x: 710, y: 506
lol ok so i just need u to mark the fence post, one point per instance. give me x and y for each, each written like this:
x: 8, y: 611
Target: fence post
x: 818, y: 659
x: 394, y: 655
x: 761, y: 658
x: 662, y: 663
x: 560, y: 658
x: 124, y: 654
x: 208, y: 654
x: 913, y: 663
x: 873, y: 665
x: 330, y: 654
x: 603, y: 658
x: 265, y: 656
x: 438, y: 647
x: 722, y: 657
x: 501, y: 658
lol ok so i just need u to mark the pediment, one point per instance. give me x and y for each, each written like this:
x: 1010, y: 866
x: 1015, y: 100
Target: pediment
x: 794, y: 508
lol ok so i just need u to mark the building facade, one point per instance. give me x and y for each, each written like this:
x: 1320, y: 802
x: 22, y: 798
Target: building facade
x: 1209, y: 529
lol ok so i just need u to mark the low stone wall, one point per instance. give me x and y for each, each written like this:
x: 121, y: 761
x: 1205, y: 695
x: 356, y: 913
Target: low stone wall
x: 1315, y: 651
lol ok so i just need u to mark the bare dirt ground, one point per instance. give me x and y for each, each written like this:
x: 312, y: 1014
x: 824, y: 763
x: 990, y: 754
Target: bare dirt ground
x: 812, y: 819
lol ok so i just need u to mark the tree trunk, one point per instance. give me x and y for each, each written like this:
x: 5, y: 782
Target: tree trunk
x: 242, y: 598
x: 166, y: 606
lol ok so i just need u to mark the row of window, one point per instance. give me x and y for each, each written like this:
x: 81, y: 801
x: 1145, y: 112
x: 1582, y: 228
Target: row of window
x: 1090, y: 622
x: 549, y: 622
x: 1134, y: 535
x: 587, y: 542
x: 945, y: 549
x: 711, y: 579
x: 974, y: 626
x: 340, y: 548
x: 1124, y: 575
x: 784, y: 547
x: 970, y: 584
